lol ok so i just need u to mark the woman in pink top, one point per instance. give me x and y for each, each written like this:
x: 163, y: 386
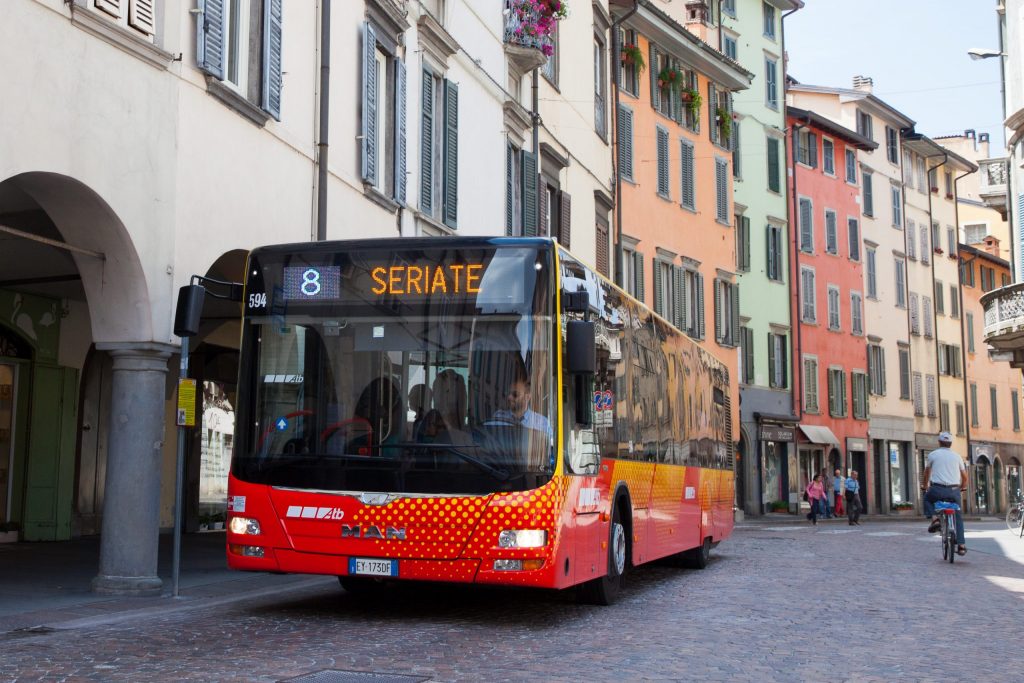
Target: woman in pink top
x: 815, y: 496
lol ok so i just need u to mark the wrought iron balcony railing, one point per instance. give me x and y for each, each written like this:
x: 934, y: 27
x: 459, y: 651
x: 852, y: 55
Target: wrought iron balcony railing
x: 520, y: 21
x: 1004, y: 317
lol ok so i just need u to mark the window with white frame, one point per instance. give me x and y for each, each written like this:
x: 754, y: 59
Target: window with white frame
x: 661, y: 137
x: 834, y: 315
x: 629, y: 74
x: 828, y: 156
x: 940, y: 298
x: 665, y: 288
x: 954, y: 301
x: 742, y: 243
x: 926, y: 248
x: 859, y: 380
x: 904, y: 358
x: 868, y: 194
x: 774, y: 172
x: 949, y: 184
x: 853, y: 237
x: 960, y: 426
x: 951, y: 241
x: 727, y: 312
x: 778, y: 361
x: 768, y: 20
x: 806, y: 218
x: 932, y: 397
x: 138, y: 16
x: 246, y: 62
x: 831, y: 232
x: 915, y: 314
x: 771, y: 82
x: 691, y: 297
x: 892, y: 145
x: 911, y: 240
x: 550, y: 68
x: 856, y: 313
x: 908, y: 167
x: 974, y: 233
x: 864, y: 124
x: 774, y: 269
x: 722, y: 190
x: 811, y: 384
x: 625, y: 141
x: 876, y: 369
x: 928, y: 313
x: 729, y: 42
x: 851, y: 166
x: 688, y: 197
x: 806, y: 148
x: 600, y: 96
x: 729, y: 7
x: 897, y: 206
x: 944, y: 416
x: 808, y: 308
x: 438, y: 147
x: 900, y: 269
x: 922, y: 175
x: 917, y: 391
x: 837, y: 392
x: 871, y: 274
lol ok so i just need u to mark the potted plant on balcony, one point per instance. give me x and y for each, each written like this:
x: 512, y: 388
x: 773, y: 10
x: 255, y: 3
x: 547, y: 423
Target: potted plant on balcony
x: 692, y: 100
x: 724, y: 121
x: 632, y: 55
x: 531, y: 23
x: 670, y: 80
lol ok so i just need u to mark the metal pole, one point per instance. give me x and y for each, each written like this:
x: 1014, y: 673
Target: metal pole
x: 179, y: 483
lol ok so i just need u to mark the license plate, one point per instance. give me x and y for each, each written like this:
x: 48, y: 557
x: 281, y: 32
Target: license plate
x: 372, y: 567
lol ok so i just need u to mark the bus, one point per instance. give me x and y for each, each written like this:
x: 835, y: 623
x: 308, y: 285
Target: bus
x: 469, y: 409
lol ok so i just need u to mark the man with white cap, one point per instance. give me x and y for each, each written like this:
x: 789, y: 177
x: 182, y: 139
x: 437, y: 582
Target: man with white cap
x: 945, y: 478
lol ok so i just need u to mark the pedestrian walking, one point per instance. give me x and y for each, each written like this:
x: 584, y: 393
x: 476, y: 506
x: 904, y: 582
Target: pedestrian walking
x: 826, y: 501
x: 853, y: 507
x: 837, y: 490
x: 815, y: 495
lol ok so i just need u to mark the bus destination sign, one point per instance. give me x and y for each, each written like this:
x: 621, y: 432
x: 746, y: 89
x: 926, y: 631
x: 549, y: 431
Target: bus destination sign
x: 324, y: 283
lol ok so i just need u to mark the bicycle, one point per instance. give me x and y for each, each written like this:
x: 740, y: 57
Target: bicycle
x: 1015, y: 518
x: 947, y: 513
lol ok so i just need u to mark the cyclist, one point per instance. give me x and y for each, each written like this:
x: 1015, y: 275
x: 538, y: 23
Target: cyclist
x: 945, y: 477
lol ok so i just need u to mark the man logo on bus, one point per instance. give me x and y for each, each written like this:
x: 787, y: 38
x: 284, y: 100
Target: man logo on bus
x: 356, y: 531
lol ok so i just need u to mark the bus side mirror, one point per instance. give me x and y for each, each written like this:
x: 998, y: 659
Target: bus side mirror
x: 580, y: 350
x: 189, y: 310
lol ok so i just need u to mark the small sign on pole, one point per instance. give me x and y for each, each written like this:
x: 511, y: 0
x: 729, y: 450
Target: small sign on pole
x: 186, y: 402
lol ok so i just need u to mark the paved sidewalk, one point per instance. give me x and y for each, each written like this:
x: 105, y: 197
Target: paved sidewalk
x: 51, y: 583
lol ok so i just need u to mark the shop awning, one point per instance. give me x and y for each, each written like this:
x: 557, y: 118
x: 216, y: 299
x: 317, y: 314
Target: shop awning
x: 816, y: 434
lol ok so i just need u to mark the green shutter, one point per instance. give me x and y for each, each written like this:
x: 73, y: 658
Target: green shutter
x: 529, y: 185
x: 659, y: 301
x: 427, y: 148
x: 699, y: 286
x: 450, y: 192
x: 734, y: 292
x: 638, y: 268
x: 773, y: 165
x: 400, y: 139
x: 369, y: 123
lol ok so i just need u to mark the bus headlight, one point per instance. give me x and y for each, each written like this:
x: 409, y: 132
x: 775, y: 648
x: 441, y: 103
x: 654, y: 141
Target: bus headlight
x: 244, y: 525
x: 523, y: 538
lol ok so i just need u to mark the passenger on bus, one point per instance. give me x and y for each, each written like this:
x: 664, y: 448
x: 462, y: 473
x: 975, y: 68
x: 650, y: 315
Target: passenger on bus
x: 380, y: 408
x: 419, y: 403
x: 446, y: 423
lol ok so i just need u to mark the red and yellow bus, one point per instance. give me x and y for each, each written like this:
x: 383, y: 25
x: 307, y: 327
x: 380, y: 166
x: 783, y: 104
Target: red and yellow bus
x: 479, y: 410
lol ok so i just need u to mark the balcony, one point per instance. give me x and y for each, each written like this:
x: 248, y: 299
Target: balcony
x: 526, y: 42
x: 993, y: 184
x: 1004, y: 322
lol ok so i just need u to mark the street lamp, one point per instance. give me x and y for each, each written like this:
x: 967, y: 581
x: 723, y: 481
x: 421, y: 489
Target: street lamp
x: 984, y: 53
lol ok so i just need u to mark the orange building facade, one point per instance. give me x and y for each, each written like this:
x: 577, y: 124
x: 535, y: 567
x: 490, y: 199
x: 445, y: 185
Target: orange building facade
x: 675, y: 235
x: 826, y: 269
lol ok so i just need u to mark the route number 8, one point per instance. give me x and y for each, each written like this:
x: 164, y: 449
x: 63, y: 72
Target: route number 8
x: 311, y: 282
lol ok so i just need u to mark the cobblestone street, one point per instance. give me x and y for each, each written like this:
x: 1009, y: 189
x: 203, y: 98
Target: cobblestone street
x: 786, y: 602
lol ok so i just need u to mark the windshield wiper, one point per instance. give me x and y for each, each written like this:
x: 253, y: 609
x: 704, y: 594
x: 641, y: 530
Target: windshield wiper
x: 495, y: 472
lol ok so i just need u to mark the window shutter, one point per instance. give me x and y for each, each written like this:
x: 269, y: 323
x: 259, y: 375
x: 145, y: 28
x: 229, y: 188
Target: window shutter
x: 626, y: 142
x: 427, y: 152
x: 806, y: 226
x: 529, y: 184
x: 677, y: 301
x: 369, y: 127
x: 654, y: 69
x: 659, y: 300
x: 719, y: 300
x: 400, y: 140
x: 638, y: 275
x: 881, y: 366
x: 677, y: 98
x: 770, y: 268
x: 745, y: 223
x: 812, y: 151
x: 210, y: 37
x: 662, y: 136
x: 141, y: 16
x: 510, y: 189
x: 915, y: 315
x: 111, y: 7
x: 722, y: 189
x: 734, y: 291
x: 773, y: 165
x: 564, y: 219
x: 832, y: 393
x: 771, y: 359
x: 451, y: 158
x: 782, y: 360
x: 686, y: 163
x: 699, y: 284
x: 544, y: 224
x: 686, y: 325
x: 734, y: 128
x: 271, y: 68
x: 602, y: 248
x: 713, y: 124
x: 748, y: 355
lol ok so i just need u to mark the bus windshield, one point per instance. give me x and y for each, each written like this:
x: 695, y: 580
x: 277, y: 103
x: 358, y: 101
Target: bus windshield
x: 424, y: 371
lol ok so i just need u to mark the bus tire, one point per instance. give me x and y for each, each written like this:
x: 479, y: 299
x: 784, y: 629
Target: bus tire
x: 698, y: 558
x: 605, y: 590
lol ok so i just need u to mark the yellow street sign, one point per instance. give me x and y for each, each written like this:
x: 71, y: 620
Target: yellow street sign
x: 186, y: 403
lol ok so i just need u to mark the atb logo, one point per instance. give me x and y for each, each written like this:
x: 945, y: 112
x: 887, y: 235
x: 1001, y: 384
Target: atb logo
x: 311, y: 282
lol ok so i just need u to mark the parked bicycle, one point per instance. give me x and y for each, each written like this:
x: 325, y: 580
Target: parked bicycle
x: 1015, y: 517
x: 947, y: 513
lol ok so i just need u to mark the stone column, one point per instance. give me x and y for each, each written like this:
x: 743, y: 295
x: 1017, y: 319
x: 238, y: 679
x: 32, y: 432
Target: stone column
x: 131, y: 504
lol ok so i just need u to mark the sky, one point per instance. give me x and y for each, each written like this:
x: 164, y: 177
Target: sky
x: 916, y: 52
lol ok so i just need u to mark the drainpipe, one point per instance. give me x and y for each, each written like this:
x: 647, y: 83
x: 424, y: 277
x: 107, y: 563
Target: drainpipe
x: 325, y: 110
x: 613, y: 60
x: 794, y: 307
x: 963, y: 317
x: 794, y: 319
x: 935, y: 317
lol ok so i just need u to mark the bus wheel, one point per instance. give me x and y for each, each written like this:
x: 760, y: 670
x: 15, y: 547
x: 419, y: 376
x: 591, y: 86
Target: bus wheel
x: 605, y: 590
x: 698, y: 557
